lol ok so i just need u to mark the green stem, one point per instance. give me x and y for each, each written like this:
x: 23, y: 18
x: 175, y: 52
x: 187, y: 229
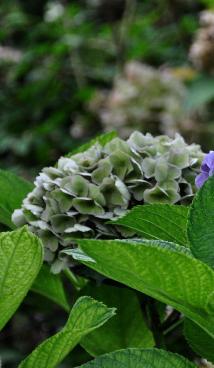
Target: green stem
x: 172, y: 327
x: 75, y: 281
x: 120, y: 32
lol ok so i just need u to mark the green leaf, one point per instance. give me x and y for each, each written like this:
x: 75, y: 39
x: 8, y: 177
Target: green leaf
x: 157, y: 221
x: 13, y: 190
x: 200, y: 227
x: 126, y: 329
x: 20, y: 260
x: 101, y: 139
x: 199, y: 340
x: 86, y: 315
x: 139, y: 358
x: 162, y: 270
x: 200, y: 92
x: 51, y: 286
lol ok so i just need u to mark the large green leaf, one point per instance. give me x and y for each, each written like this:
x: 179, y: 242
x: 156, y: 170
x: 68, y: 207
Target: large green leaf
x: 20, y: 261
x: 157, y: 221
x: 101, y: 139
x: 50, y: 286
x: 126, y: 329
x: 139, y: 358
x: 13, y: 190
x: 165, y: 271
x: 200, y: 227
x: 86, y: 315
x: 199, y: 340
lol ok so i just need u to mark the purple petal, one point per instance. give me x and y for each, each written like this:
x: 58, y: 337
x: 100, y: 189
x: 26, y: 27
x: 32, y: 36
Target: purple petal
x: 204, y: 167
x: 209, y: 160
x: 200, y: 179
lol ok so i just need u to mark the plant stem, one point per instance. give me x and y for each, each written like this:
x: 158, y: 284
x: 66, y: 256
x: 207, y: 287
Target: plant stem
x: 155, y: 324
x: 172, y: 327
x: 75, y: 281
x: 120, y: 32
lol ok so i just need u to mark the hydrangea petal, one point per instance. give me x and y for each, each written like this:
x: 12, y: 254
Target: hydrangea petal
x: 78, y: 196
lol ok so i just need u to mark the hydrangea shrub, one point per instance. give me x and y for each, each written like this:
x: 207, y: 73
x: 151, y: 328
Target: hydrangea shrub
x: 142, y: 98
x: 202, y: 49
x: 78, y: 196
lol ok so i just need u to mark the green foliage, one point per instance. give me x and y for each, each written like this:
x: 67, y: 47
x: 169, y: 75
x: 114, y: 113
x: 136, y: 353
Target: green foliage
x: 199, y: 340
x: 138, y: 358
x: 86, y: 315
x: 20, y: 261
x: 74, y: 198
x: 13, y: 190
x: 50, y: 286
x: 201, y: 224
x: 56, y: 57
x: 201, y: 91
x: 163, y: 270
x: 160, y: 267
x: 128, y: 319
x: 157, y: 221
x: 102, y: 139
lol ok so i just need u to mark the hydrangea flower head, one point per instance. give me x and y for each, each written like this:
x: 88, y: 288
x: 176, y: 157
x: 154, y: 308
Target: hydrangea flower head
x: 207, y: 169
x: 142, y: 98
x: 79, y: 195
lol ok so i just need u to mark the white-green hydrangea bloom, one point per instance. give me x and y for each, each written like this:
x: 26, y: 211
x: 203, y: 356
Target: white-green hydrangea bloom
x: 78, y: 196
x: 143, y: 98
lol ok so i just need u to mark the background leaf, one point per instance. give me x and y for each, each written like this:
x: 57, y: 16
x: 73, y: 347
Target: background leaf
x: 86, y: 315
x: 200, y: 227
x: 126, y: 329
x: 199, y: 340
x: 157, y: 221
x: 20, y: 261
x: 101, y: 139
x: 162, y: 270
x: 13, y: 190
x: 139, y: 358
x: 200, y: 92
x: 50, y: 286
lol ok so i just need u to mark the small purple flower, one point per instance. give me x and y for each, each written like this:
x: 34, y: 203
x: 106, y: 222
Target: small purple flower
x: 207, y: 169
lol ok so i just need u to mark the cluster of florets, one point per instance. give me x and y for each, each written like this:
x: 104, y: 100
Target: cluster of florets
x: 78, y: 196
x: 142, y: 98
x: 202, y: 50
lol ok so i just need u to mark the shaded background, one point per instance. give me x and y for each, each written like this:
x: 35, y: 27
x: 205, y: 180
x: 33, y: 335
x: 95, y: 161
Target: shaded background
x: 60, y: 61
x: 70, y: 70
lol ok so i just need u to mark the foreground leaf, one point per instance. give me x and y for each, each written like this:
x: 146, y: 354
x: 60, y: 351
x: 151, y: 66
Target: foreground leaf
x: 139, y: 358
x: 200, y: 227
x: 50, y: 286
x: 164, y: 271
x: 13, y: 190
x: 20, y: 261
x: 86, y: 315
x: 126, y: 329
x: 199, y: 340
x: 102, y: 139
x: 157, y: 221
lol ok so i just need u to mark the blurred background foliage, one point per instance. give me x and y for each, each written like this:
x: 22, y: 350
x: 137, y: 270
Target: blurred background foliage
x: 70, y: 70
x: 63, y: 72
